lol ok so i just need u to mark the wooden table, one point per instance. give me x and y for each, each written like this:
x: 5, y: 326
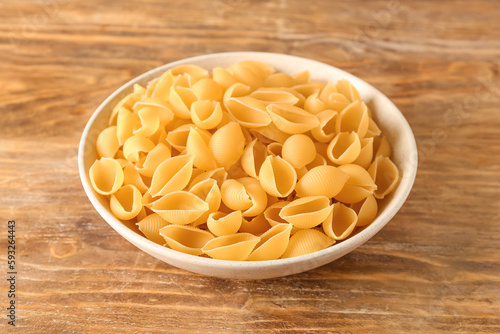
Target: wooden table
x: 434, y: 268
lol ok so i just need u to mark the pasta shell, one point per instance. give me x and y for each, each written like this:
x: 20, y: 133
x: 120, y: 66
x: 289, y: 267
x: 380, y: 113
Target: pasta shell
x: 142, y: 214
x: 291, y: 119
x: 305, y: 242
x: 126, y: 103
x: 314, y: 105
x: 136, y: 144
x: 328, y: 90
x: 161, y: 88
x: 272, y: 244
x: 198, y: 148
x: 172, y: 175
x: 253, y: 157
x: 301, y: 77
x: 178, y: 137
x: 125, y: 123
x: 186, y: 239
x: 206, y: 114
x: 277, y: 95
x: 341, y: 222
x: 251, y: 73
x: 321, y: 181
x: 161, y: 106
x: 366, y: 209
x: 279, y: 80
x: 235, y: 247
x: 106, y: 176
x: 180, y: 207
x: 107, y: 143
x: 277, y: 177
x: 218, y: 174
x: 181, y: 99
x: 195, y: 72
x: 299, y: 150
x: 275, y: 149
x: 359, y: 185
x: 220, y: 223
x: 269, y: 134
x: 126, y: 202
x: 309, y: 88
x: 345, y: 88
x: 272, y: 213
x: 154, y: 158
x: 149, y: 121
x: 382, y: 147
x: 344, y: 148
x: 353, y: 118
x: 132, y: 176
x: 223, y: 78
x: 306, y: 212
x: 385, y: 174
x: 319, y: 160
x: 257, y: 195
x: 366, y: 154
x: 207, y: 89
x: 150, y: 227
x: 373, y: 129
x: 249, y: 112
x: 256, y: 226
x: 208, y: 191
x: 337, y: 102
x: 235, y: 196
x: 227, y: 145
x: 325, y: 131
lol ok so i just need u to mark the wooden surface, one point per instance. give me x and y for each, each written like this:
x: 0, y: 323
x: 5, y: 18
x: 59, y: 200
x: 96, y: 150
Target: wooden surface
x: 434, y: 268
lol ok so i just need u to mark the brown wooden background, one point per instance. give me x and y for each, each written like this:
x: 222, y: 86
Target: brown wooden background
x: 434, y: 268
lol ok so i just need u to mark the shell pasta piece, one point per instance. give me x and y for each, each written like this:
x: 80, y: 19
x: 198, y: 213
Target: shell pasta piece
x: 305, y: 242
x: 299, y: 150
x: 248, y: 111
x: 208, y: 191
x: 171, y: 175
x: 126, y: 203
x: 186, y: 239
x: 358, y: 186
x: 227, y: 145
x: 235, y: 247
x: 106, y: 176
x: 277, y: 177
x: 253, y: 157
x: 306, y: 212
x: 206, y: 114
x: 366, y: 210
x: 150, y: 226
x: 272, y: 244
x: 353, y: 118
x: 197, y: 147
x: 220, y: 223
x: 341, y: 222
x: 135, y: 145
x: 107, y: 143
x: 322, y: 180
x: 180, y: 207
x: 385, y: 174
x: 291, y: 119
x: 344, y: 148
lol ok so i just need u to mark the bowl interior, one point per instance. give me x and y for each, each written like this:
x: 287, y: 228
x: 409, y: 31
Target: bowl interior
x: 388, y: 117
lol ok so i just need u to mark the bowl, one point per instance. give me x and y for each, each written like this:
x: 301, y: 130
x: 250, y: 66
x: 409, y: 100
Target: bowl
x: 387, y: 115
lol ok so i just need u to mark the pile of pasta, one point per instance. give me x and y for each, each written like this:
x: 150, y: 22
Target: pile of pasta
x: 244, y: 162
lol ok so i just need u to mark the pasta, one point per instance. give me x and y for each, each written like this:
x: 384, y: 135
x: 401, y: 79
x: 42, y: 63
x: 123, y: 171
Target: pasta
x: 243, y: 163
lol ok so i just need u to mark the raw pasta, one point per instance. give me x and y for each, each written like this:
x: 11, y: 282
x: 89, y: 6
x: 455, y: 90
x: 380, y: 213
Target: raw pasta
x: 244, y: 163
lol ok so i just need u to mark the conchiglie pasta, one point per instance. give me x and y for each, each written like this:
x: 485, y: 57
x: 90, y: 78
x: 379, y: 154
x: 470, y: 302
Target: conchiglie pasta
x: 299, y: 150
x: 305, y: 242
x: 235, y: 247
x: 106, y: 176
x: 180, y: 207
x: 306, y: 212
x: 151, y: 225
x: 126, y: 202
x: 272, y: 244
x: 322, y: 181
x: 385, y: 174
x: 186, y: 239
x: 244, y: 162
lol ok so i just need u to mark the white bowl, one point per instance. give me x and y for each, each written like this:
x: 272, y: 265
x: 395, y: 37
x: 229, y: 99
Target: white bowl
x: 390, y: 119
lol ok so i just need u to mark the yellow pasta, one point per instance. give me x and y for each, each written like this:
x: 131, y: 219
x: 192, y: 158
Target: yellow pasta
x: 126, y: 202
x: 236, y: 247
x: 306, y: 212
x: 243, y: 163
x: 299, y: 150
x: 186, y: 239
x: 106, y: 176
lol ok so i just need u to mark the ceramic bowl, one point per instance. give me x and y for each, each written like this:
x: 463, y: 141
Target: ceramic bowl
x: 387, y: 115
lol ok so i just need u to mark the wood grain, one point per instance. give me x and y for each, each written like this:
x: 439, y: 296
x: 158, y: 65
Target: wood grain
x: 434, y: 269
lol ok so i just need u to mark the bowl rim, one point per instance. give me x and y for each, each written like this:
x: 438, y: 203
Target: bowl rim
x: 343, y: 247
